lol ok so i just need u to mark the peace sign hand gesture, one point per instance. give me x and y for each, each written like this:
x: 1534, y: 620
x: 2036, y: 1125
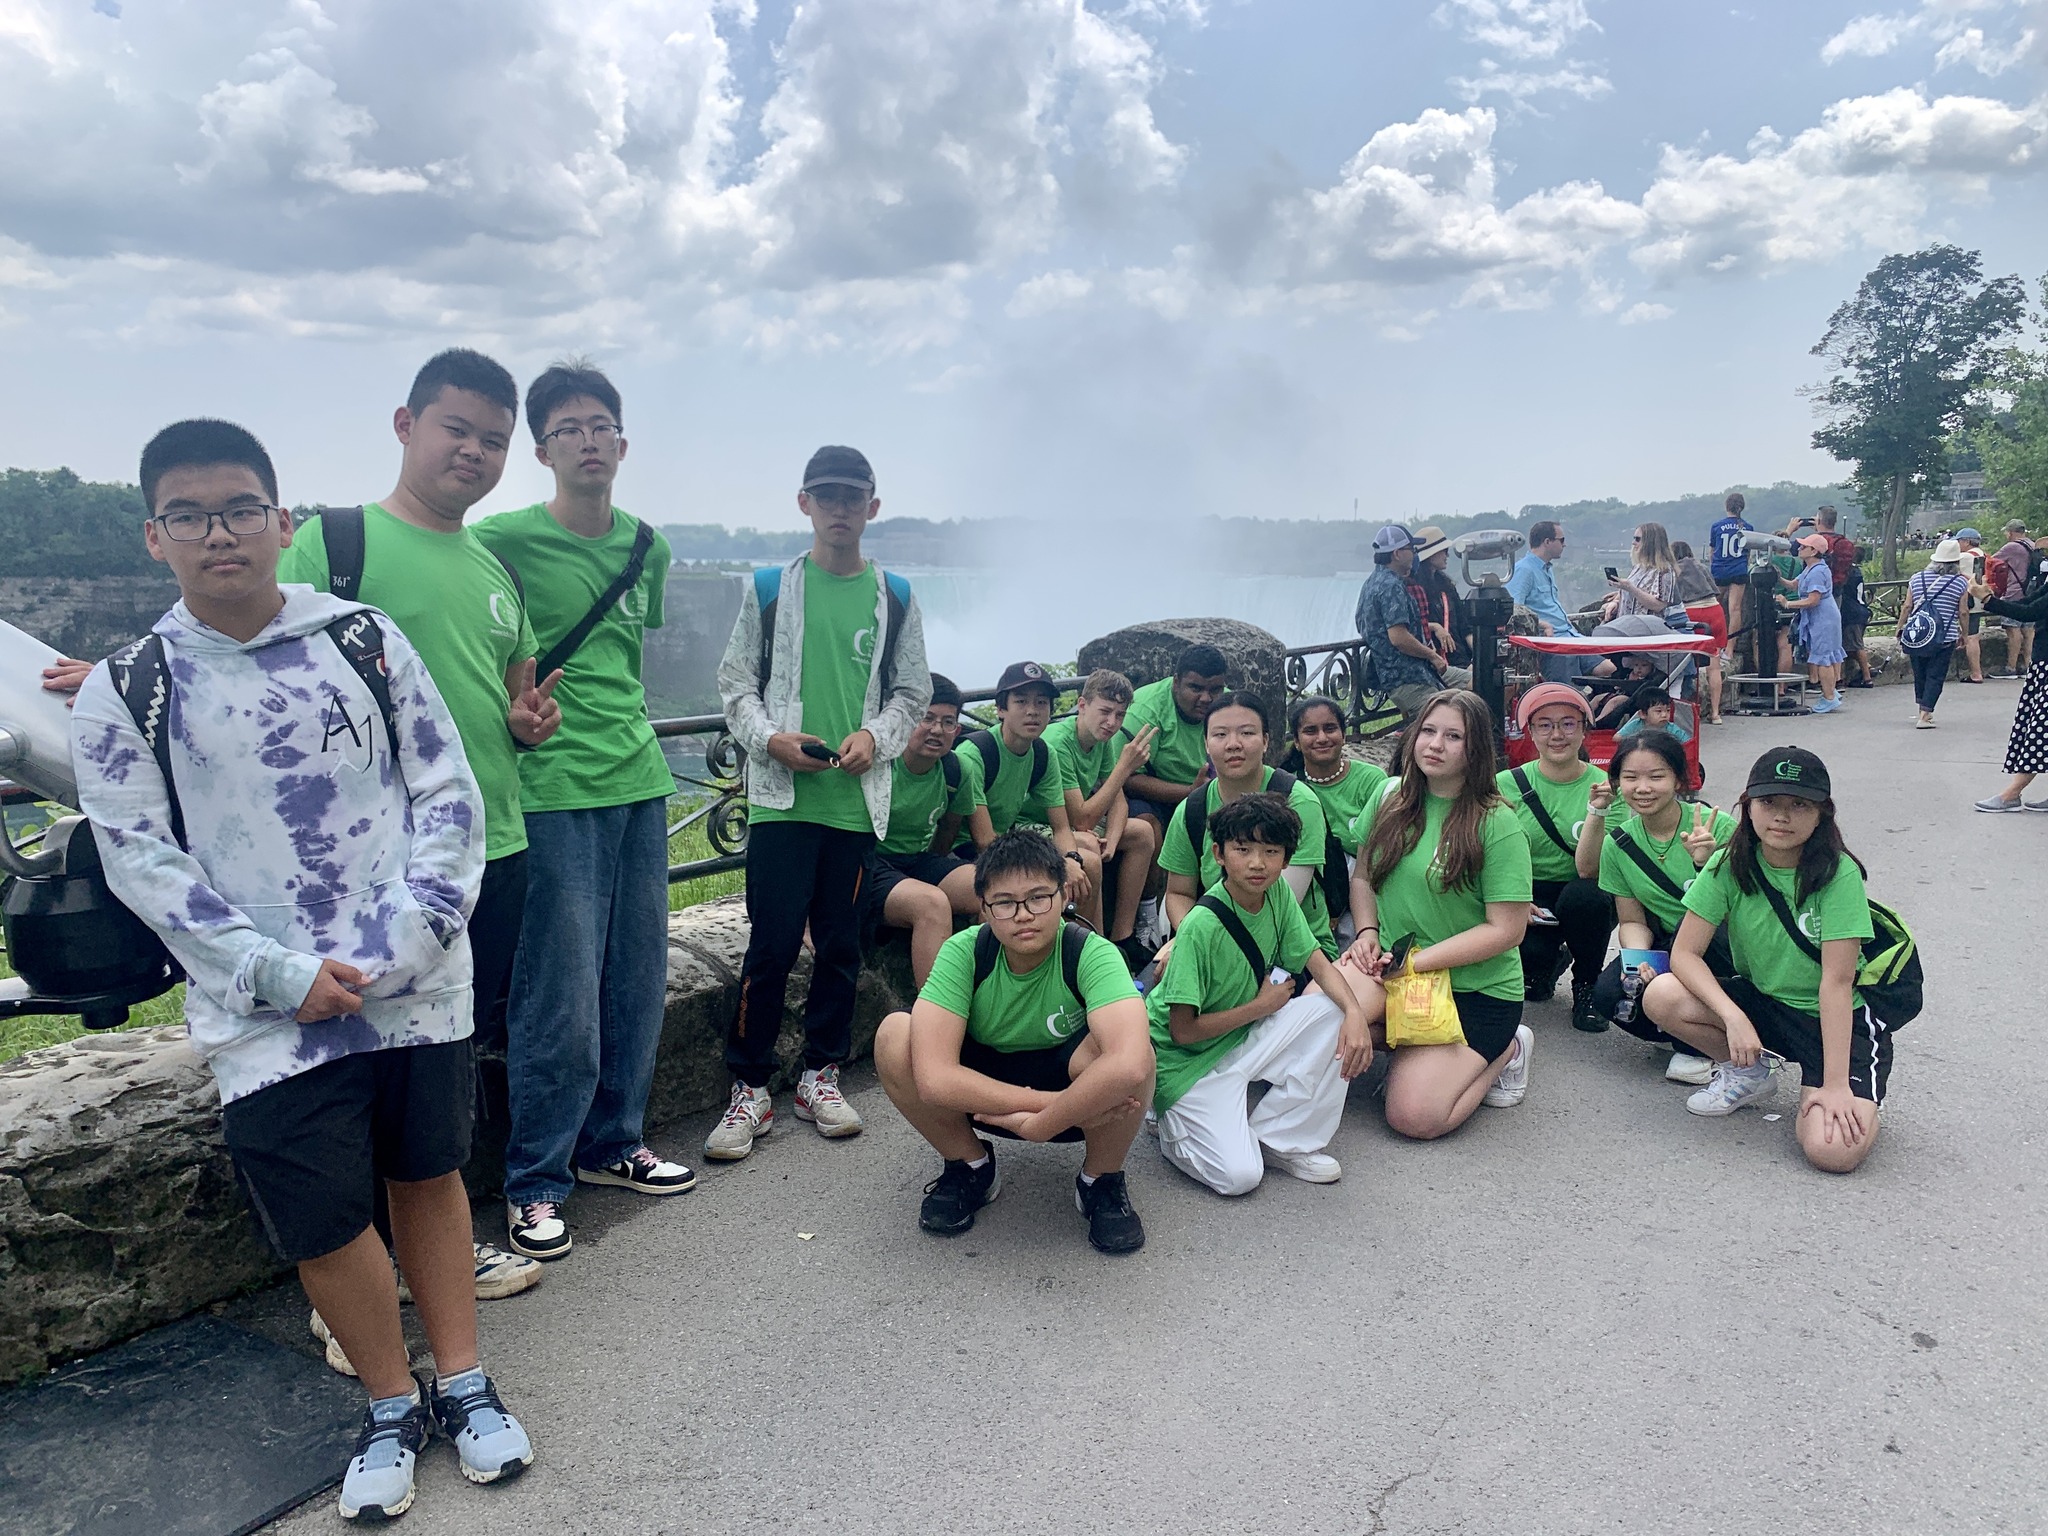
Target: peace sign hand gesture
x: 1699, y: 842
x: 534, y: 715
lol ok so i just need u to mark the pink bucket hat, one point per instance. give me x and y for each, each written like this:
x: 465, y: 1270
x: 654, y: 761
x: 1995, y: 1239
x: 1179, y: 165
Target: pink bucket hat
x: 1550, y: 693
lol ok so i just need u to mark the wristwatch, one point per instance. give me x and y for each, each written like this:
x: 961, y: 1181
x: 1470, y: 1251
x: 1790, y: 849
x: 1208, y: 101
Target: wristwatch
x: 1070, y: 854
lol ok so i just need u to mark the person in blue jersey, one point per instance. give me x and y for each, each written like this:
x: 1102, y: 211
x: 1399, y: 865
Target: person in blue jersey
x: 1726, y: 562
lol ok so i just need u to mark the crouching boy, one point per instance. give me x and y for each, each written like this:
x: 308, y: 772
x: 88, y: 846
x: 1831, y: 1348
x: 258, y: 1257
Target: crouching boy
x: 1028, y: 1027
x: 1228, y: 1011
x: 279, y: 792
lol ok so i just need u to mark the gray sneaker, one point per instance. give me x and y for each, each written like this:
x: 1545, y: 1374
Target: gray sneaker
x: 749, y: 1116
x: 1998, y: 805
x: 378, y: 1483
x: 2037, y: 805
x: 1731, y: 1088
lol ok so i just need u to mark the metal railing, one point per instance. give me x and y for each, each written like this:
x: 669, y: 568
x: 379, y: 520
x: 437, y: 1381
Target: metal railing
x: 1341, y: 670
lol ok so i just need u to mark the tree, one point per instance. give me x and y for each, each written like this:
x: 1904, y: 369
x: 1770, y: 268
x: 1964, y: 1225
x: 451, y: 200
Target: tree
x: 1913, y: 353
x: 54, y: 524
x: 2014, y: 443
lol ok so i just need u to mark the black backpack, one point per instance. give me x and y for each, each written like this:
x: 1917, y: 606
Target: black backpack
x: 991, y: 752
x: 341, y: 534
x: 988, y: 950
x: 1335, y: 875
x: 142, y: 678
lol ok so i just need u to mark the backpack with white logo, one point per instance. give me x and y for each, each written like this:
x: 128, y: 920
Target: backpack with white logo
x: 1920, y: 633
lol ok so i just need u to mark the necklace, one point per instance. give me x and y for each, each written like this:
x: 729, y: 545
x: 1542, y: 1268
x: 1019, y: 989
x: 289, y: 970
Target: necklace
x: 1335, y: 778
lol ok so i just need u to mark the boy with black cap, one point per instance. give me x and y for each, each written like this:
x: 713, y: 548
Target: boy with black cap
x: 1016, y: 776
x: 823, y: 680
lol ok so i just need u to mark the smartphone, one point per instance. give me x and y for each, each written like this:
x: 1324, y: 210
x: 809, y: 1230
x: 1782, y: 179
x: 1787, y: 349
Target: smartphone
x: 820, y: 751
x: 1612, y: 573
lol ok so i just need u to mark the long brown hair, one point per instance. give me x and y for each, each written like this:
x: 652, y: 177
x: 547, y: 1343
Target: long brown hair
x: 1403, y: 809
x: 1655, y: 549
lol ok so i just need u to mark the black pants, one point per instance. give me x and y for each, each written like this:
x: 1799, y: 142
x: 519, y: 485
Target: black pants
x: 1608, y: 991
x: 1930, y: 673
x: 1585, y: 919
x: 797, y: 870
x: 493, y: 940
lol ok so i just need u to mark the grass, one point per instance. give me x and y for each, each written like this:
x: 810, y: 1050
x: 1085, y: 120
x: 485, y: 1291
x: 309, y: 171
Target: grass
x: 687, y: 846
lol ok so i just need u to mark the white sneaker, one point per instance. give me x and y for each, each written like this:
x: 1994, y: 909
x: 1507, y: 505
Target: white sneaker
x: 1512, y: 1086
x: 498, y: 1274
x: 819, y: 1101
x: 749, y: 1117
x: 537, y: 1230
x: 1148, y: 926
x: 1731, y: 1088
x: 1688, y: 1068
x: 336, y: 1359
x: 1309, y: 1167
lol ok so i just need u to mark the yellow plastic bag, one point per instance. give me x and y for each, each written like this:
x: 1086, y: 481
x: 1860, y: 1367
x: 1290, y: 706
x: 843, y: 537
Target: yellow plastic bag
x: 1420, y: 1008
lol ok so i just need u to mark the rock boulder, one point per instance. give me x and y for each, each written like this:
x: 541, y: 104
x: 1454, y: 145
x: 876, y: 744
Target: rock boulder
x: 1145, y: 653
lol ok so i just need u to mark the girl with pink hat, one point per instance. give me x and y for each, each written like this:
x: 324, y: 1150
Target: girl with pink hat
x: 1820, y: 621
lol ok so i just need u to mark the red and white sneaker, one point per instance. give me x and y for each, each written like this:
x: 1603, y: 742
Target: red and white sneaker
x: 749, y: 1117
x: 819, y: 1101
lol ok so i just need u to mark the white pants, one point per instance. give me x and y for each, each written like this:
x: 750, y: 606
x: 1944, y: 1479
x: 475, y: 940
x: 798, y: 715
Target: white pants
x: 1209, y: 1136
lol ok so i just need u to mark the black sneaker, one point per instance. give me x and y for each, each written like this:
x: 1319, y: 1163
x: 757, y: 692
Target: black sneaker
x: 951, y: 1199
x: 1585, y: 1016
x: 1538, y: 985
x: 1136, y: 952
x: 1113, y: 1227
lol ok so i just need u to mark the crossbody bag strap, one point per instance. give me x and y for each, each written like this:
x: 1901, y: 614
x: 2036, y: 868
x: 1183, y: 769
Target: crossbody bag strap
x: 624, y: 582
x: 1234, y: 926
x: 1659, y: 876
x: 1806, y: 946
x: 1543, y: 819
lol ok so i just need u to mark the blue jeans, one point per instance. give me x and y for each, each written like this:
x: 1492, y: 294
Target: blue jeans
x: 587, y: 993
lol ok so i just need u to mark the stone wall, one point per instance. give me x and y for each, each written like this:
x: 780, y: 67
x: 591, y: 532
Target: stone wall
x: 680, y: 662
x: 89, y: 618
x: 1145, y: 653
x: 118, y: 1208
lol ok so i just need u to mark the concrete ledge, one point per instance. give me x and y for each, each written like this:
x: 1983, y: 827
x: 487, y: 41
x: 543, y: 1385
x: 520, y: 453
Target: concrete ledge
x: 118, y: 1206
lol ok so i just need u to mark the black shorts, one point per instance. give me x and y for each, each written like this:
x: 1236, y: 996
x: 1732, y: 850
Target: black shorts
x: 1794, y: 1034
x: 1489, y: 1022
x: 886, y: 871
x: 1138, y: 805
x: 309, y: 1151
x: 1607, y: 989
x: 1048, y: 1071
x: 1972, y: 623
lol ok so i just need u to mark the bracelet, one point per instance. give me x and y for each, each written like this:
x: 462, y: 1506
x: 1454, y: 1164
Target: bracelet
x: 1370, y: 928
x: 1070, y: 854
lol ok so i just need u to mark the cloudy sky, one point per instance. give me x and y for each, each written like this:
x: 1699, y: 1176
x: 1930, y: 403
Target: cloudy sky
x: 1129, y: 257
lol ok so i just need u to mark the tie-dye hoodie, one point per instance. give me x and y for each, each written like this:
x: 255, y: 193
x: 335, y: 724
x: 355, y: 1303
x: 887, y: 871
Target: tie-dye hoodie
x: 307, y: 841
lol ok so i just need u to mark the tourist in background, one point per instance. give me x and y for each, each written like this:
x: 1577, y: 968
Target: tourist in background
x: 1569, y: 916
x: 1820, y: 621
x: 1443, y: 609
x: 1942, y: 590
x: 584, y: 1018
x: 2026, y: 751
x: 841, y: 649
x: 1727, y: 561
x: 1651, y: 586
x: 1442, y: 881
x: 1844, y: 566
x: 1533, y: 586
x: 1971, y: 542
x: 1792, y: 898
x: 1404, y: 664
x: 1701, y: 595
x: 2006, y: 575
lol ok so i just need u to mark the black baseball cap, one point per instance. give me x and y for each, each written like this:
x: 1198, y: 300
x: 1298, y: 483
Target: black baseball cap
x: 839, y: 466
x: 1790, y: 771
x: 1023, y: 674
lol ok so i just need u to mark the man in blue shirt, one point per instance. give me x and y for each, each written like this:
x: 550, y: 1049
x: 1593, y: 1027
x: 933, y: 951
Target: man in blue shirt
x: 1729, y: 566
x: 1534, y: 587
x: 1403, y: 665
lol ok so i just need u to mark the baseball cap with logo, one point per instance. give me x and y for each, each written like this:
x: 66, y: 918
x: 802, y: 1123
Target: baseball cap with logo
x: 1391, y: 538
x: 1023, y: 674
x: 838, y: 466
x: 1790, y: 771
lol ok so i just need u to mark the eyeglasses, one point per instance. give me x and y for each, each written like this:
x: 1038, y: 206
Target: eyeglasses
x: 1005, y: 908
x: 603, y: 435
x: 839, y: 496
x: 191, y: 527
x: 1571, y: 725
x: 1635, y: 538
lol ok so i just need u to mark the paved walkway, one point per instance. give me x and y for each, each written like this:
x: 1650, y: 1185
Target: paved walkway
x: 1592, y: 1313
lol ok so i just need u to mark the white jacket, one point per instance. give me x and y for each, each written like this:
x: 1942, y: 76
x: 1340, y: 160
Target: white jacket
x: 754, y: 711
x: 308, y: 840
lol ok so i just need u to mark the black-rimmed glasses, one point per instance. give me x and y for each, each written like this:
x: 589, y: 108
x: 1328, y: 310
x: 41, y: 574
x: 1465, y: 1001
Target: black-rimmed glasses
x: 1005, y: 908
x: 190, y: 527
x: 603, y: 435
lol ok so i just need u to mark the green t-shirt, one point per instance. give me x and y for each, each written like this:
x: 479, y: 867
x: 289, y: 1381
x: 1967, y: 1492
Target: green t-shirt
x: 1411, y: 904
x: 917, y: 801
x: 1181, y: 750
x: 1084, y: 771
x: 1011, y: 798
x: 1621, y: 875
x: 839, y: 642
x: 1209, y: 971
x: 1031, y: 1012
x: 1764, y: 952
x: 605, y: 753
x: 1343, y: 800
x: 451, y: 598
x: 1566, y: 804
x: 1177, y: 854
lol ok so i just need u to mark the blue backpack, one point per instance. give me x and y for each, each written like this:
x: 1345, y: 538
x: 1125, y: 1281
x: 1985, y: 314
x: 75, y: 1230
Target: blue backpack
x: 768, y: 591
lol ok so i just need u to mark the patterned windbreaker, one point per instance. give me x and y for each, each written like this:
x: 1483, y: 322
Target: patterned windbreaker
x: 308, y: 839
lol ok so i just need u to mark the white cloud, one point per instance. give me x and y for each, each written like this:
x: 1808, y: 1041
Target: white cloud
x: 1950, y: 24
x: 1645, y: 312
x: 1866, y: 37
x: 1047, y: 292
x: 1522, y: 29
x: 1520, y: 86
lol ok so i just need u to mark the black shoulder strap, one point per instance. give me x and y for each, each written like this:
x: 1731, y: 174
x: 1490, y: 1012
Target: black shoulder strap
x: 949, y: 765
x: 1543, y: 819
x: 627, y: 579
x: 1073, y: 940
x: 1649, y: 866
x: 1041, y: 759
x: 361, y: 644
x: 1234, y: 926
x: 341, y: 531
x: 991, y: 752
x: 1194, y: 811
x: 1791, y: 924
x: 987, y: 949
x: 143, y: 679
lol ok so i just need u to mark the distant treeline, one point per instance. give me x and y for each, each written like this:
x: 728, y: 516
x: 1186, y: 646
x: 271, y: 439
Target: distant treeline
x: 54, y: 524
